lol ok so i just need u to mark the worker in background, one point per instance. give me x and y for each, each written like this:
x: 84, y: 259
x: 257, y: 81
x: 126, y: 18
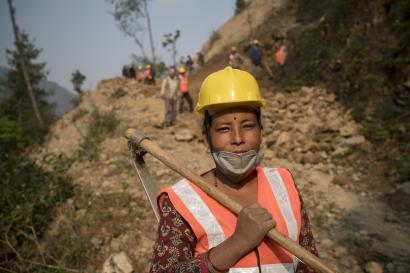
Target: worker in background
x: 235, y: 59
x: 139, y: 74
x: 132, y: 71
x: 184, y: 90
x: 197, y: 234
x: 153, y: 74
x: 280, y: 59
x: 326, y: 29
x: 147, y: 74
x: 256, y: 55
x: 169, y: 93
x: 125, y: 71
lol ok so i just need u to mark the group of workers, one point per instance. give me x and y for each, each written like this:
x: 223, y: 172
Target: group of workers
x: 136, y: 72
x: 255, y: 54
x: 175, y: 86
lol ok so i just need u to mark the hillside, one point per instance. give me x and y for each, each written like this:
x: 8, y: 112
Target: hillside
x: 316, y: 139
x: 358, y: 51
x: 360, y: 214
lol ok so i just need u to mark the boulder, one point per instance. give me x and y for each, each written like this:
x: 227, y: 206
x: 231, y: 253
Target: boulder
x: 302, y: 127
x: 373, y: 267
x: 348, y: 130
x: 339, y: 252
x: 355, y: 140
x: 341, y: 180
x: 118, y: 263
x: 283, y: 138
x: 184, y: 135
x: 311, y: 158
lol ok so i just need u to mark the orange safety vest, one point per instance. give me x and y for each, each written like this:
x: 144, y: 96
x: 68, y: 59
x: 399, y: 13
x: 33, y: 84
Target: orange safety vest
x: 183, y: 83
x: 147, y: 74
x: 139, y: 75
x: 280, y: 55
x: 212, y: 223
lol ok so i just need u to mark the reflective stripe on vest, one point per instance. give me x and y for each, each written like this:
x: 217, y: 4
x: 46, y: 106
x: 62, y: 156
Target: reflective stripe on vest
x: 201, y: 211
x: 281, y: 195
x: 183, y: 83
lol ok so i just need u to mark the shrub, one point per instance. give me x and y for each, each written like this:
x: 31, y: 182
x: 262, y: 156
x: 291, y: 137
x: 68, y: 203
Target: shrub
x: 79, y: 114
x: 402, y: 164
x: 214, y: 37
x: 102, y: 125
x: 28, y: 195
x: 240, y: 5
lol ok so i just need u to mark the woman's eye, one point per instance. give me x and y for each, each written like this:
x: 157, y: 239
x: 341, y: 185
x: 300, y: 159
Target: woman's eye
x: 223, y: 129
x: 249, y: 125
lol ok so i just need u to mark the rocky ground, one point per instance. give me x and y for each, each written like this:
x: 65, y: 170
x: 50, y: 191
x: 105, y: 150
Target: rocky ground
x: 305, y: 130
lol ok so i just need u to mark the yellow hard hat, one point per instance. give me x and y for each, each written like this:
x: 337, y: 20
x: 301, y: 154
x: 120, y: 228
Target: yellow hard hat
x: 255, y: 42
x: 322, y: 19
x: 148, y: 66
x: 182, y: 69
x: 227, y: 88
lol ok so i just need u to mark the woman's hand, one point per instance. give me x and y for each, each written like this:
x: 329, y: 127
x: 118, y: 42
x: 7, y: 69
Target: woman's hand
x: 252, y: 225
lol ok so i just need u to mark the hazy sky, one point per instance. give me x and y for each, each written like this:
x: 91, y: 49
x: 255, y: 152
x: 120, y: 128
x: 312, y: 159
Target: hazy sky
x: 82, y: 34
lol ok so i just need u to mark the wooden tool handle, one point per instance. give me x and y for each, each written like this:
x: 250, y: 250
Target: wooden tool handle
x: 288, y: 244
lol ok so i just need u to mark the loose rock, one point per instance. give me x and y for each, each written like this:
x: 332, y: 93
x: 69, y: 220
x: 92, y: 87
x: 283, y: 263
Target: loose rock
x: 118, y: 263
x: 373, y: 267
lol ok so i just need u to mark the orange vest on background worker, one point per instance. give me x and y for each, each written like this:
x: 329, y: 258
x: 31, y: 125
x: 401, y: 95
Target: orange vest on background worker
x: 183, y: 83
x: 138, y: 75
x: 280, y: 55
x: 212, y: 223
x: 147, y: 73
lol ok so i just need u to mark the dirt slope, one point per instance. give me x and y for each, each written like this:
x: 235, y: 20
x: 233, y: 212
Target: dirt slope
x: 305, y: 130
x: 243, y: 26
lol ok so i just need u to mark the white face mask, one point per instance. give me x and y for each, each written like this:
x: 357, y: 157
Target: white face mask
x: 236, y: 166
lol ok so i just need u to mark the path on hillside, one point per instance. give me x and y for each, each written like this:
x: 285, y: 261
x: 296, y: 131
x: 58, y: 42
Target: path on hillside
x: 305, y: 130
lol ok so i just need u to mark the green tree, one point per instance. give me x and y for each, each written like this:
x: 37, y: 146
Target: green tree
x: 170, y: 40
x: 77, y: 79
x: 128, y: 14
x: 17, y: 107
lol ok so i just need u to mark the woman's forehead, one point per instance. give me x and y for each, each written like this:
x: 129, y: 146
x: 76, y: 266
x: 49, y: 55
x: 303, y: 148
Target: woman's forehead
x: 239, y: 111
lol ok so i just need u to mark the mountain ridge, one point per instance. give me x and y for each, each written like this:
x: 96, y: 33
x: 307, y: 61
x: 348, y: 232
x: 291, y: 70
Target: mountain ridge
x: 60, y: 96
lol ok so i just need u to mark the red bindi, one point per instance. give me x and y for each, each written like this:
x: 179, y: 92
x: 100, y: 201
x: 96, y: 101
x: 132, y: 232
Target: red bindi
x: 234, y: 118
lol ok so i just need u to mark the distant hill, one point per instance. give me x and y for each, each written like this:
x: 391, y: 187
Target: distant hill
x: 61, y: 96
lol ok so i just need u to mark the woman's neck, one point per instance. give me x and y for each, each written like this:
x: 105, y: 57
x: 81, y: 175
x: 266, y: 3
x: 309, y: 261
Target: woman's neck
x: 236, y: 185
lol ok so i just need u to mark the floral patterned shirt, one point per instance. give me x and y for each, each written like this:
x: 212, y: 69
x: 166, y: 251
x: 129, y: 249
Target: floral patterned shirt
x: 175, y: 244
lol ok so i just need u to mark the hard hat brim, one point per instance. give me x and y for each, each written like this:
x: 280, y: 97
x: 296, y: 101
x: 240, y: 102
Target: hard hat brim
x: 215, y: 108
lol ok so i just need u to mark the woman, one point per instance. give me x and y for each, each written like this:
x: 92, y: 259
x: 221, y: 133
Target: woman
x: 196, y: 233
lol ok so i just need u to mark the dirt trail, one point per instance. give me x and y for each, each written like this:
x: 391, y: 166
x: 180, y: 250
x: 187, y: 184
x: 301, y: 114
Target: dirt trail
x: 305, y: 130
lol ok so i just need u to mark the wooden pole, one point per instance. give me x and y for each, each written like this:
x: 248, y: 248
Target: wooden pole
x: 288, y: 244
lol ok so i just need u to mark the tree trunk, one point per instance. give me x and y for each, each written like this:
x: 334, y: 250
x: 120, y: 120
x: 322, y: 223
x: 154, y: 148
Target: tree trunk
x: 139, y: 44
x: 151, y: 39
x: 23, y: 65
x: 174, y: 53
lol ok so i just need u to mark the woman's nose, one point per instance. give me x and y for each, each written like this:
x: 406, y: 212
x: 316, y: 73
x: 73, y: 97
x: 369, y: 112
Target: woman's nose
x: 236, y: 137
